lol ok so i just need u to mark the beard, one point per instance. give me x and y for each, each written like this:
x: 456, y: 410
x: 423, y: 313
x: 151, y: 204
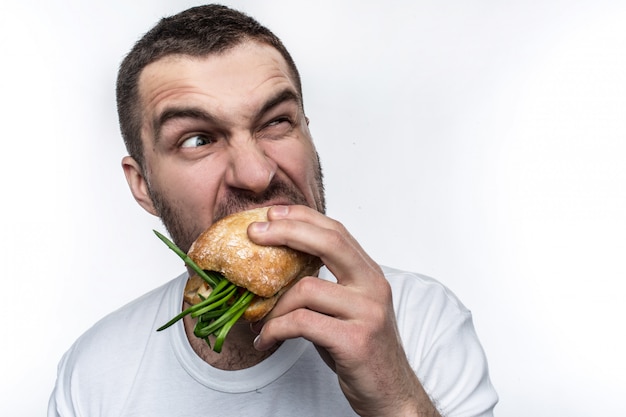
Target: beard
x: 184, y: 231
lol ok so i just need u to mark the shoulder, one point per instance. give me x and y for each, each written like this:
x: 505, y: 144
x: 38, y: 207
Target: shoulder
x: 441, y: 343
x: 102, y: 362
x: 417, y: 290
x: 141, y: 310
x: 429, y: 315
x: 123, y: 331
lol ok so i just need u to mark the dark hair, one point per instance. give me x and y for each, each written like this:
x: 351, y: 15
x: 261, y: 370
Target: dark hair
x: 198, y: 31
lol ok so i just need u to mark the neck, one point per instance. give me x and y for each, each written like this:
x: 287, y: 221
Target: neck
x: 237, y: 351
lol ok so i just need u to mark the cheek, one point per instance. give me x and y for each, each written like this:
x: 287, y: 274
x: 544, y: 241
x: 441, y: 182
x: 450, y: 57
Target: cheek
x: 190, y: 190
x: 299, y: 163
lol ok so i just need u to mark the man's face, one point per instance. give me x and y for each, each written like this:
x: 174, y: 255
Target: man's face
x: 221, y: 134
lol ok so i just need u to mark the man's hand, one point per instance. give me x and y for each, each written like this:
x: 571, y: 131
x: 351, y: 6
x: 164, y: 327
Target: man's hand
x: 351, y: 322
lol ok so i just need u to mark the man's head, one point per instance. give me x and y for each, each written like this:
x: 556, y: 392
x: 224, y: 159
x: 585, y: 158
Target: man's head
x: 198, y: 31
x: 211, y: 110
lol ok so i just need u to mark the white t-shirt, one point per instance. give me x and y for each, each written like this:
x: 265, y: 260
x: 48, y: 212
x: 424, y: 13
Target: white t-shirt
x: 123, y: 367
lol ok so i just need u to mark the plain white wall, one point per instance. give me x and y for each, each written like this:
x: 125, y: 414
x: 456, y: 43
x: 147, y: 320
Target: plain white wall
x: 481, y: 143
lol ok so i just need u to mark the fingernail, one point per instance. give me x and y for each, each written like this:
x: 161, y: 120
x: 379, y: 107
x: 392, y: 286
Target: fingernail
x: 280, y: 210
x: 260, y: 227
x: 256, y: 342
x: 256, y: 327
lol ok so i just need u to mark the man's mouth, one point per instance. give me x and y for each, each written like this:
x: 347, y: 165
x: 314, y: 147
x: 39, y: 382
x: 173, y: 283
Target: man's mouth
x: 279, y: 193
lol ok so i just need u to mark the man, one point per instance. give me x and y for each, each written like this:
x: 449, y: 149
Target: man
x: 211, y: 111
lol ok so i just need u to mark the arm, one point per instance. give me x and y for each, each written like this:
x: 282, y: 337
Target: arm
x: 60, y: 403
x: 351, y: 322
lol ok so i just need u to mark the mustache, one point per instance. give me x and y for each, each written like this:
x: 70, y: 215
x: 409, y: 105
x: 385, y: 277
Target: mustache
x: 240, y: 200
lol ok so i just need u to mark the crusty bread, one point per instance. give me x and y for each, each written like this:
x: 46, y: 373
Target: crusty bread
x: 267, y: 271
x: 258, y: 308
x: 225, y: 248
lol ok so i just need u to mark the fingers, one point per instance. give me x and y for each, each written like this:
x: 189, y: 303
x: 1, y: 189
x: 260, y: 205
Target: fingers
x: 301, y: 323
x: 334, y: 317
x: 322, y: 296
x: 317, y: 310
x: 309, y: 231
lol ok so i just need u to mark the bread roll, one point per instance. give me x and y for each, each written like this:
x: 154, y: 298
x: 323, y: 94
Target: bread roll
x: 267, y: 271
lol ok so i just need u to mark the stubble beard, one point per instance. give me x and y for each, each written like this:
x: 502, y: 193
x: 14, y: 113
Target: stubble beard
x: 184, y: 231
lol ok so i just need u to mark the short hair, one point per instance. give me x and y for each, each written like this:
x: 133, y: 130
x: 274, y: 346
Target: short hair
x: 198, y: 31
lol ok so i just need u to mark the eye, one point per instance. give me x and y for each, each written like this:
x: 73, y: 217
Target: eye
x: 196, y: 141
x: 278, y: 121
x: 277, y: 128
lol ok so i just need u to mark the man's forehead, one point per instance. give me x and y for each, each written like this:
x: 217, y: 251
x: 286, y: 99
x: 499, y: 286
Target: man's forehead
x: 247, y: 74
x: 235, y: 86
x: 244, y: 60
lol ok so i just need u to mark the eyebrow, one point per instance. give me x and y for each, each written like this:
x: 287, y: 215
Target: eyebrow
x: 173, y: 113
x: 282, y: 96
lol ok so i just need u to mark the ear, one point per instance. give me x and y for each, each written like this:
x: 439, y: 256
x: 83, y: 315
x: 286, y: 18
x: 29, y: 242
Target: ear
x: 137, y: 184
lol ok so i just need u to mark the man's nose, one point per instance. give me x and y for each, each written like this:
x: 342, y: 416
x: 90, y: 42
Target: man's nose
x: 250, y: 168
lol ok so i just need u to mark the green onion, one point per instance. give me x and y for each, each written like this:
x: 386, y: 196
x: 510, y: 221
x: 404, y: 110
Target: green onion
x: 218, y: 303
x: 216, y: 313
x: 209, y: 277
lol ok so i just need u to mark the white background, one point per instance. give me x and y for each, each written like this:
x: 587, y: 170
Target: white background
x: 479, y: 142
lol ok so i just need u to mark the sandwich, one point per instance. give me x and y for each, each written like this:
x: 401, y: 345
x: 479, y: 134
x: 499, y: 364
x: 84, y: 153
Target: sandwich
x: 234, y: 277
